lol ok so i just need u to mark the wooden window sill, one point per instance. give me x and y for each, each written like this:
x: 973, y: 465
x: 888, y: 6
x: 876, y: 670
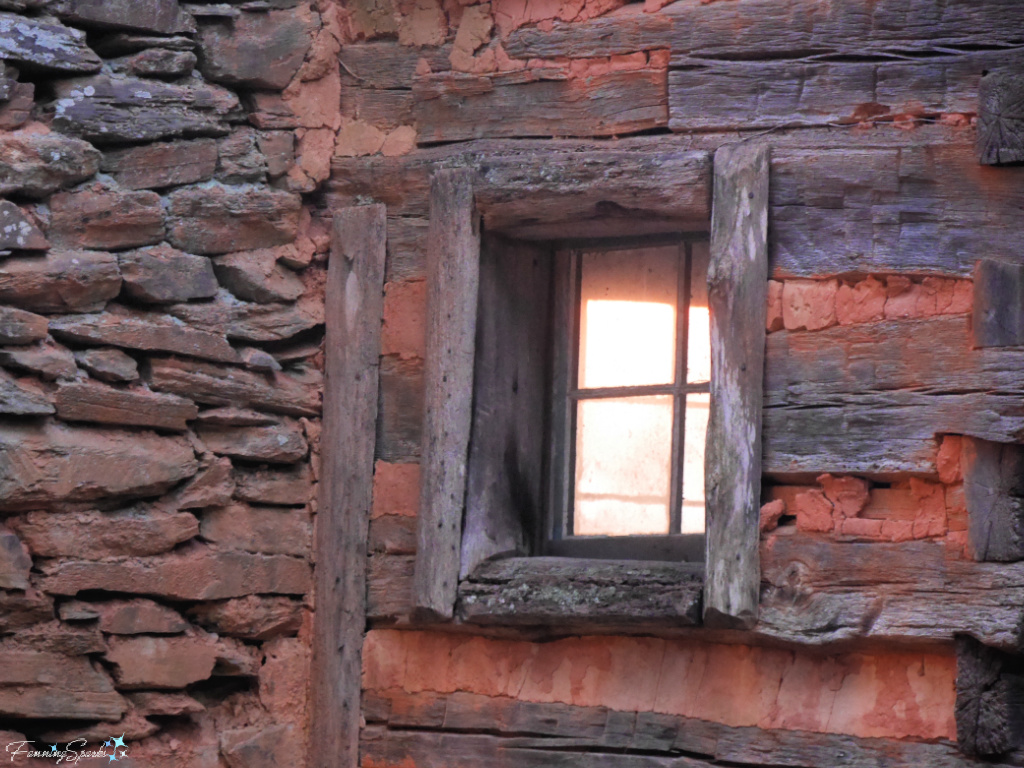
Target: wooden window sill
x: 582, y: 594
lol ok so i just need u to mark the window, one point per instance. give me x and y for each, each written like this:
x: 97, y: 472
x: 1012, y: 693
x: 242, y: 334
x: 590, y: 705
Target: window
x: 511, y: 245
x: 630, y: 401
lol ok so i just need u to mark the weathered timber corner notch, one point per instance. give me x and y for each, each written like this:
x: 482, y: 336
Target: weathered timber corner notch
x: 1001, y: 117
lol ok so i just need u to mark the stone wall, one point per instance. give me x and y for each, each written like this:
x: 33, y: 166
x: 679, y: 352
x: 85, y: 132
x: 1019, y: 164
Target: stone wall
x: 161, y: 316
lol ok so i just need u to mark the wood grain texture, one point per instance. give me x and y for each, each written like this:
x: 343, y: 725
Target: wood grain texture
x: 400, y: 426
x: 818, y: 591
x: 768, y: 29
x: 879, y: 209
x: 461, y: 107
x: 989, y: 699
x: 994, y: 491
x: 998, y: 308
x: 571, y: 593
x: 745, y: 95
x: 355, y: 305
x: 506, y: 449
x: 1001, y: 116
x: 453, y: 278
x: 597, y: 736
x: 737, y: 295
x: 603, y: 36
x: 591, y: 193
x: 872, y: 398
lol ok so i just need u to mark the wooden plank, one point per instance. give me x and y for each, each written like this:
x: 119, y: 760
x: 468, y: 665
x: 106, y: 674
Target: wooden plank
x: 573, y: 592
x: 389, y: 593
x: 994, y: 491
x: 768, y: 29
x: 461, y: 107
x: 400, y: 426
x: 737, y: 295
x: 745, y: 95
x: 504, y: 495
x: 388, y: 64
x: 877, y: 209
x: 819, y: 591
x: 1001, y: 116
x: 453, y: 277
x: 355, y: 304
x: 603, y: 36
x: 989, y: 699
x: 998, y: 319
x: 384, y: 109
x: 589, y: 192
x: 407, y: 248
x: 393, y: 535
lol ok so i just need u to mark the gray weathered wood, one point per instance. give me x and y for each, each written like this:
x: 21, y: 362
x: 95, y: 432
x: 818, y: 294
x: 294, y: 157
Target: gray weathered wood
x: 819, y: 591
x: 603, y: 36
x: 994, y: 491
x: 767, y: 29
x: 355, y: 304
x: 400, y: 426
x: 460, y: 107
x: 737, y: 294
x: 745, y: 95
x: 387, y: 64
x: 389, y: 593
x: 504, y: 495
x: 842, y: 201
x: 570, y: 592
x: 878, y: 209
x: 998, y: 319
x: 602, y: 192
x: 453, y: 277
x: 393, y: 535
x: 989, y: 699
x: 1001, y: 116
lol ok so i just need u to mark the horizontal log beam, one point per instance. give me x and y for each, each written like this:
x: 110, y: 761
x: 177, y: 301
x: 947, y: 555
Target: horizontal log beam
x: 841, y: 201
x: 746, y: 95
x: 768, y: 29
x: 400, y: 725
x: 531, y: 591
x: 461, y: 107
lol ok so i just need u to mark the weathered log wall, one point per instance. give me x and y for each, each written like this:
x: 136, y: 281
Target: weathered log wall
x: 161, y: 314
x: 875, y: 389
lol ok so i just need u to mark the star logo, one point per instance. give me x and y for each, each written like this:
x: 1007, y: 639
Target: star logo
x: 113, y: 757
x: 118, y: 742
x: 107, y: 743
x: 53, y: 747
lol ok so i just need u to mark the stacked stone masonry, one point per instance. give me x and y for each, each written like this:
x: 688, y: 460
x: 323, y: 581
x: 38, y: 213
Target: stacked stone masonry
x: 160, y: 342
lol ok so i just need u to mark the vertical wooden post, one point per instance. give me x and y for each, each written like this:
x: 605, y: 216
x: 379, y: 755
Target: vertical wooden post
x: 354, y: 307
x: 453, y: 280
x: 737, y: 296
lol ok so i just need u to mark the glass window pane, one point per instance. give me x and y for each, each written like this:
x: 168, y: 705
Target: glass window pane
x: 628, y: 317
x: 698, y: 342
x: 623, y: 466
x: 695, y: 432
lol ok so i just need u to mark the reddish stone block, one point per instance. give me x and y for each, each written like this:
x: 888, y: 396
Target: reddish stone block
x: 37, y: 163
x: 898, y: 530
x: 861, y: 527
x: 396, y: 489
x: 46, y: 359
x: 282, y: 443
x: 162, y: 164
x: 140, y: 530
x: 62, y: 281
x: 809, y: 304
x: 212, y: 220
x: 849, y: 495
x: 948, y: 460
x: 251, y: 618
x: 773, y: 321
x: 108, y: 364
x: 53, y: 462
x: 162, y: 274
x: 20, y: 327
x: 212, y: 486
x: 274, y: 485
x: 15, y: 562
x: 17, y: 230
x: 273, y: 530
x: 127, y: 617
x: 863, y: 302
x: 770, y: 515
x: 161, y: 662
x: 101, y: 404
x: 956, y: 508
x: 813, y: 511
x: 931, y: 516
x: 405, y: 313
x: 256, y: 276
x: 106, y: 219
x: 35, y: 684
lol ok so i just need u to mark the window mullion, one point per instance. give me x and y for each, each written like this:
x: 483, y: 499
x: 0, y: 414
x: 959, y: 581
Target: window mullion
x: 679, y: 399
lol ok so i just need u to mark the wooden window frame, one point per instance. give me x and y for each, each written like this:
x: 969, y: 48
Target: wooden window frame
x: 532, y: 200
